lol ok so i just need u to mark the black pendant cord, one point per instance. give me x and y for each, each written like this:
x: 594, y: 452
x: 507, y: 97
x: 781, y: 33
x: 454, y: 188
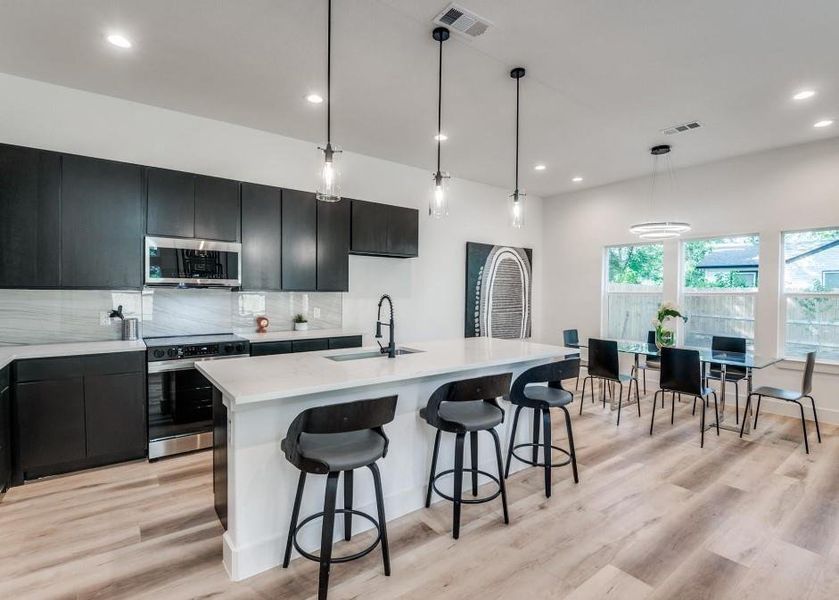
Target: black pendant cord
x: 329, y: 74
x: 439, y: 103
x: 518, y: 81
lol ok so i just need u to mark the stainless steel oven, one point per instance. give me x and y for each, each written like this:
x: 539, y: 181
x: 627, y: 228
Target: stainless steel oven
x: 180, y: 398
x: 192, y: 263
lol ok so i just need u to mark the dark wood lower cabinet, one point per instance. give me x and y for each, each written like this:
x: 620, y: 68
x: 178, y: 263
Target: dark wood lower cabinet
x: 5, y: 431
x: 115, y: 415
x: 220, y: 457
x: 310, y: 345
x: 269, y: 348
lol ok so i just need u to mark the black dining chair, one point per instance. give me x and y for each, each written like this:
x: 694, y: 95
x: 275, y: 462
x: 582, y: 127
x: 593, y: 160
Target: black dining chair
x: 681, y: 372
x: 330, y: 440
x: 604, y: 365
x: 571, y: 339
x: 540, y: 388
x: 733, y: 374
x: 649, y: 362
x: 789, y: 396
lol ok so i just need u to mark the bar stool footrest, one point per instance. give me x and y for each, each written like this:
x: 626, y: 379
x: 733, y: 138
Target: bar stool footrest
x: 540, y: 464
x: 468, y: 500
x: 339, y: 559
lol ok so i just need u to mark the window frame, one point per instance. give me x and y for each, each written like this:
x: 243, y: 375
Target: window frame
x: 604, y: 275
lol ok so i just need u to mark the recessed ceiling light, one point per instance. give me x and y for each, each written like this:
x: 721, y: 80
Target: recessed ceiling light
x: 577, y: 179
x: 314, y: 98
x: 118, y: 40
x: 539, y: 167
x: 804, y: 95
x: 823, y: 123
x: 441, y: 137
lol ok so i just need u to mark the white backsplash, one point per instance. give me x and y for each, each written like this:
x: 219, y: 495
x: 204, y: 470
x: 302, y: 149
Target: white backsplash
x: 54, y: 316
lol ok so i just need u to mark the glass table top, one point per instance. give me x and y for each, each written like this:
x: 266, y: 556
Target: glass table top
x: 748, y: 360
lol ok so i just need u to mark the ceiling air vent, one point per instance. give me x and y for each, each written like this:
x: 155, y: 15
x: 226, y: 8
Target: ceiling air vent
x: 462, y: 20
x: 682, y: 128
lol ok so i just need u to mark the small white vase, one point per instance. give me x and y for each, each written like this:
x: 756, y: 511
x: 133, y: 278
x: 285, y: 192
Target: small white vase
x: 301, y: 327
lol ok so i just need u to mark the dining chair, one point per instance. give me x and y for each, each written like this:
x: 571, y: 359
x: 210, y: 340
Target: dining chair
x: 681, y: 373
x: 604, y: 365
x: 789, y: 396
x: 571, y: 339
x: 733, y: 374
x: 649, y: 362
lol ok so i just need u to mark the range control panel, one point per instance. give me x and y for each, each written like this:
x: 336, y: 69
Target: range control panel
x: 230, y: 347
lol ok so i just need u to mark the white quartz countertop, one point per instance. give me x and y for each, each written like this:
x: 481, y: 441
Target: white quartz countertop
x: 309, y: 334
x: 264, y: 378
x: 11, y: 353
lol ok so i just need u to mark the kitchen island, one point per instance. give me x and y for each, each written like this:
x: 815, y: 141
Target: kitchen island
x: 256, y: 399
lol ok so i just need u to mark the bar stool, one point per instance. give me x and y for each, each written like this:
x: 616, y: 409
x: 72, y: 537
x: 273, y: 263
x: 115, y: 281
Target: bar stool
x: 461, y: 407
x: 525, y: 394
x: 789, y: 396
x: 329, y: 440
x: 681, y: 373
x: 603, y: 364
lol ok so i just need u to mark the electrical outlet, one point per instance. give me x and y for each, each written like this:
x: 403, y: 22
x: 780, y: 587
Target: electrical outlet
x: 316, y: 313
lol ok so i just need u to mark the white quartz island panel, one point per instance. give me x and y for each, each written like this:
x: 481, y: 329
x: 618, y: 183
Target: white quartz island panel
x: 262, y: 395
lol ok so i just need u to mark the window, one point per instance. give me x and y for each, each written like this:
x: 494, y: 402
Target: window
x: 811, y: 293
x: 634, y: 277
x: 720, y: 288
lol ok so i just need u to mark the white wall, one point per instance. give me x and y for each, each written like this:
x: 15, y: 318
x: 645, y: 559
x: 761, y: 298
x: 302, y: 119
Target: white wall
x: 428, y: 292
x: 765, y: 193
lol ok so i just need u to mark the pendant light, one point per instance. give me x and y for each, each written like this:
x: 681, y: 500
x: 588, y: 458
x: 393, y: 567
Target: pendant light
x: 438, y: 205
x: 518, y: 196
x: 329, y: 184
x: 660, y: 230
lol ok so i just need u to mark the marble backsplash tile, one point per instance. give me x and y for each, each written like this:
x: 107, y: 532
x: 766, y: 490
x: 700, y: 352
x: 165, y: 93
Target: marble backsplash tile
x: 54, y: 316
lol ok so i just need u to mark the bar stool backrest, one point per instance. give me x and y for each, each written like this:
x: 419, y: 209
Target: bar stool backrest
x: 728, y: 344
x: 552, y: 373
x: 343, y: 417
x: 681, y: 371
x: 603, y: 359
x: 807, y: 381
x: 487, y: 388
x: 571, y: 338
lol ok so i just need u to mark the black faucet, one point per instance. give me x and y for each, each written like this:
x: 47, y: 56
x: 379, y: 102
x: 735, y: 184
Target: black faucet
x: 391, y: 347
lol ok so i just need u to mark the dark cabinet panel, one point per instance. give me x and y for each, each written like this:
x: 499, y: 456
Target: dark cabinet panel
x: 351, y: 341
x: 216, y: 209
x: 333, y: 246
x: 101, y: 224
x: 369, y: 227
x: 29, y: 211
x: 403, y: 231
x: 171, y: 203
x: 115, y: 415
x: 50, y: 422
x: 310, y: 345
x: 5, y: 432
x: 261, y: 237
x: 113, y: 363
x: 220, y: 457
x: 268, y: 348
x: 299, y: 240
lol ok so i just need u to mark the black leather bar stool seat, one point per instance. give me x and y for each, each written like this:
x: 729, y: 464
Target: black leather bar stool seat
x: 461, y: 407
x: 527, y: 392
x: 330, y: 440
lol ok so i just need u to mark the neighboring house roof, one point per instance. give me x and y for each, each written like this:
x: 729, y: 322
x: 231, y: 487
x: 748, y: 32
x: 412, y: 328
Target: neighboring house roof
x: 809, y: 249
x: 741, y: 257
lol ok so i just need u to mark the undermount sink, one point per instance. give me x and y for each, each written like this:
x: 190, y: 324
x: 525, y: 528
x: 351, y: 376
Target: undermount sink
x: 370, y: 354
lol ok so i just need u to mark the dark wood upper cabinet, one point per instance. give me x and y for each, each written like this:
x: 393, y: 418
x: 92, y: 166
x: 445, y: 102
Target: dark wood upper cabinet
x: 30, y: 182
x: 333, y: 272
x: 101, y: 224
x: 216, y: 209
x: 299, y: 241
x: 261, y: 237
x: 171, y: 203
x: 384, y: 230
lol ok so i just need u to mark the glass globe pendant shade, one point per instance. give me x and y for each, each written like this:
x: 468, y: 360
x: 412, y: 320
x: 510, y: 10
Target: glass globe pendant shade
x: 517, y: 209
x: 438, y: 205
x: 329, y: 180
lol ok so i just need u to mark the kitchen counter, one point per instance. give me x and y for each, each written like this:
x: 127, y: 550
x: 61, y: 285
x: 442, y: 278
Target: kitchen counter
x: 257, y: 398
x: 286, y: 336
x: 12, y: 353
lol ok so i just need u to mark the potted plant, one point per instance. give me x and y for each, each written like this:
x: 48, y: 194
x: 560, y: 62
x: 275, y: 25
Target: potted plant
x: 300, y: 323
x: 664, y: 336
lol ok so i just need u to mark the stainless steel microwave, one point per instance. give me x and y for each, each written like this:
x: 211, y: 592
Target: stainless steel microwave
x: 193, y: 263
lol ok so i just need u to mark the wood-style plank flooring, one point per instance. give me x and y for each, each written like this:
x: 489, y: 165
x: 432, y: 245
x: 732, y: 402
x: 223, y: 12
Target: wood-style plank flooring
x: 653, y: 517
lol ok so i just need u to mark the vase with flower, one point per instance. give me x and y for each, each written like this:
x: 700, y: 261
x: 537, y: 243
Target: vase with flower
x: 665, y: 336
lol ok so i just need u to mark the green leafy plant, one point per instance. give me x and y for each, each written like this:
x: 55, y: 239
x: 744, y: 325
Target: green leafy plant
x: 300, y: 318
x: 666, y: 311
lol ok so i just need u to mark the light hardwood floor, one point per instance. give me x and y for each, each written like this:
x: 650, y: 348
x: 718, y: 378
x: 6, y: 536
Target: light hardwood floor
x: 653, y: 517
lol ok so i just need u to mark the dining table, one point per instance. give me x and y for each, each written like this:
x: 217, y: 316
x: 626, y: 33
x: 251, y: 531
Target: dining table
x: 748, y: 361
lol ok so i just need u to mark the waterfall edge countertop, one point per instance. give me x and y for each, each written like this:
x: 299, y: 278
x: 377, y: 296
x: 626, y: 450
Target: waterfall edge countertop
x: 8, y: 354
x: 265, y: 378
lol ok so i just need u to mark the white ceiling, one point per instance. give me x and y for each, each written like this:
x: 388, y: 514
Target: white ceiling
x: 603, y: 76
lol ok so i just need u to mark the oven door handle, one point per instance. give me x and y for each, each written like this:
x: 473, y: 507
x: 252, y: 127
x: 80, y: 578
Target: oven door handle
x: 162, y: 366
